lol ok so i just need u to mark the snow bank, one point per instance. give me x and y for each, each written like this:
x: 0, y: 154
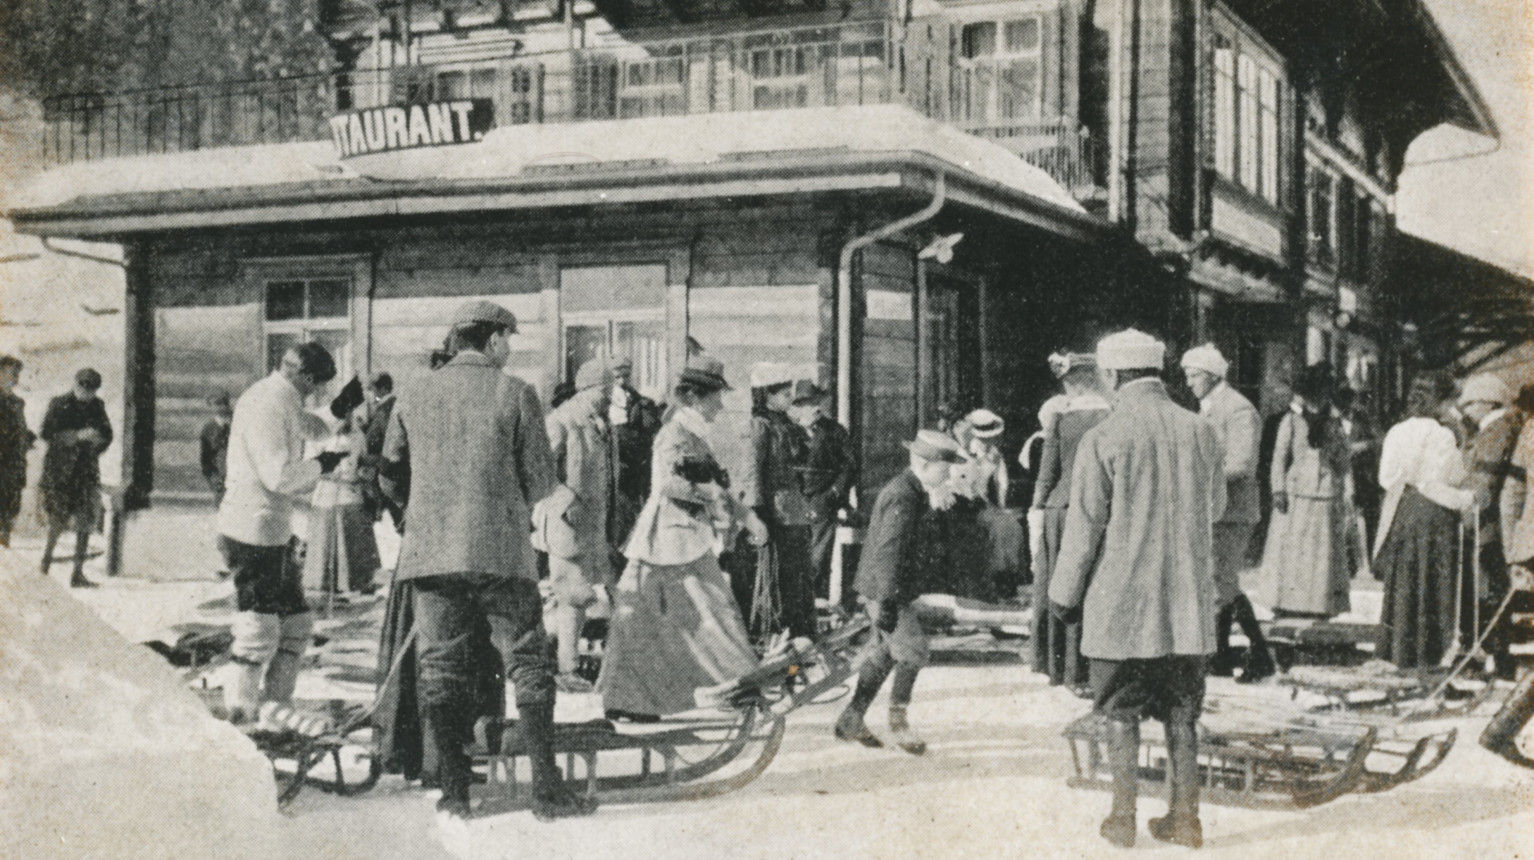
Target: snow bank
x: 104, y: 754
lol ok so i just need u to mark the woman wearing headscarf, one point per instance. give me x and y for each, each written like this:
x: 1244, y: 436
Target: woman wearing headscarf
x: 1057, y: 643
x: 1417, y: 549
x: 1306, y: 556
x: 676, y: 627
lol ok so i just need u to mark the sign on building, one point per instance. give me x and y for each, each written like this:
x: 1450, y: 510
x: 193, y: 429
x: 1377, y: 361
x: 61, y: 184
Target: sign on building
x: 395, y: 127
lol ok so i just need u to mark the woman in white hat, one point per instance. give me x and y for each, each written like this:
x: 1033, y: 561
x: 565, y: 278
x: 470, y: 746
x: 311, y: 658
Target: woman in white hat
x: 1057, y: 644
x: 988, y: 482
x: 676, y: 627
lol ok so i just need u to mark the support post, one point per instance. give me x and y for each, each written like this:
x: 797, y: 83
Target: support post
x: 138, y: 398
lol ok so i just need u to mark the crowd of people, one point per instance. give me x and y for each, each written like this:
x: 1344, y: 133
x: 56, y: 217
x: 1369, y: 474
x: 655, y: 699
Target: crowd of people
x: 1126, y: 521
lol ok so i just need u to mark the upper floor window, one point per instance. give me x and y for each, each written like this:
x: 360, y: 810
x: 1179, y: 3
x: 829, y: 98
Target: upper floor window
x: 1248, y: 110
x: 1002, y: 69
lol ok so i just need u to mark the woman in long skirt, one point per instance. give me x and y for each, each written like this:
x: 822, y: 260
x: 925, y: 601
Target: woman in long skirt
x: 1306, y: 556
x: 676, y: 626
x: 1057, y: 644
x: 1417, y: 551
x: 343, y: 552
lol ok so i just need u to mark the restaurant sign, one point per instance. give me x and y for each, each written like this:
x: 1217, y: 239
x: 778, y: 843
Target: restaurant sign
x: 386, y: 129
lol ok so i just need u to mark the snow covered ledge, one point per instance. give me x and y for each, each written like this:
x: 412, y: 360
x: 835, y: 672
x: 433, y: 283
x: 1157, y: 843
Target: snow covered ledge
x: 103, y: 753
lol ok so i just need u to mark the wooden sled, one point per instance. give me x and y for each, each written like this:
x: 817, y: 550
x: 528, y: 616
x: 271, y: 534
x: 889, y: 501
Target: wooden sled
x: 1264, y: 768
x: 1425, y: 693
x: 684, y: 759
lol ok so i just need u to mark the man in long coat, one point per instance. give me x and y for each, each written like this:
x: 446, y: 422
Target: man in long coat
x: 77, y: 430
x: 1136, y: 563
x: 905, y: 555
x: 572, y: 523
x: 1239, y: 428
x: 473, y: 443
x: 830, y: 469
x: 15, y: 441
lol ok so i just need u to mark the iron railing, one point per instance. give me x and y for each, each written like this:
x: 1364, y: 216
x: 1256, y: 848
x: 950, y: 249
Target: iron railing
x: 857, y: 63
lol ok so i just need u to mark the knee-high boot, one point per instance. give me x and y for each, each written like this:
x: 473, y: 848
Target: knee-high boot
x: 1502, y: 732
x: 1181, y: 824
x: 1259, y: 657
x: 1224, y: 663
x: 900, y: 699
x: 871, y: 675
x: 445, y: 723
x: 1124, y: 762
x: 551, y: 798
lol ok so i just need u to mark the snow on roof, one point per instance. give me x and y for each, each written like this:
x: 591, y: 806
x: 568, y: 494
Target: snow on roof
x: 508, y: 151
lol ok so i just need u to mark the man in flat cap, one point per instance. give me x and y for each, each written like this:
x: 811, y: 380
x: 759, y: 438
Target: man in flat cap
x: 1239, y: 428
x: 1136, y: 564
x: 77, y: 430
x: 829, y: 473
x: 904, y: 555
x: 635, y: 419
x: 267, y: 476
x: 473, y: 442
x: 572, y: 524
x: 1485, y: 401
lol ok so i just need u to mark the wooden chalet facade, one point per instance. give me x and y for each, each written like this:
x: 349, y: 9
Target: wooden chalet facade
x: 733, y: 171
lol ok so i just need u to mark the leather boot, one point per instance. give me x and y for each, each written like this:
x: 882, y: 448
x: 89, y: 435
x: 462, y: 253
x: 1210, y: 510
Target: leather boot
x: 871, y: 675
x: 1181, y: 824
x: 1124, y: 762
x: 1501, y: 734
x: 551, y: 798
x: 900, y: 730
x: 445, y: 723
x: 1224, y: 663
x: 1259, y: 657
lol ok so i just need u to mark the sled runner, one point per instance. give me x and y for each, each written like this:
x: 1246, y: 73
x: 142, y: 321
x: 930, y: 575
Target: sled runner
x: 1424, y: 693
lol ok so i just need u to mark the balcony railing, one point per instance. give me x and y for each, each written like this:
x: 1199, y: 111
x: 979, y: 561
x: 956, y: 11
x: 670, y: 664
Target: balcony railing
x: 860, y: 63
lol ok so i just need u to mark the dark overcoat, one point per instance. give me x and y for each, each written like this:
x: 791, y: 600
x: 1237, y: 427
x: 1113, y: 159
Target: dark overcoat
x: 905, y: 553
x: 71, y: 474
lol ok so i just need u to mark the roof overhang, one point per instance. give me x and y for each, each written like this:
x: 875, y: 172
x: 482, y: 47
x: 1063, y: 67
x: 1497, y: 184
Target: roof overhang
x: 120, y: 216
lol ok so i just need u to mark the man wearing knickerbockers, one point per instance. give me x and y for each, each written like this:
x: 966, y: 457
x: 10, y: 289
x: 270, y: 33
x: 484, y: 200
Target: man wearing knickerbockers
x: 905, y: 554
x: 1136, y: 564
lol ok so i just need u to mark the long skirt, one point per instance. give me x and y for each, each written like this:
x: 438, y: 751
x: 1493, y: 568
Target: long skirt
x: 1056, y: 644
x: 674, y: 629
x: 340, y: 538
x: 1306, y: 557
x: 1418, y: 562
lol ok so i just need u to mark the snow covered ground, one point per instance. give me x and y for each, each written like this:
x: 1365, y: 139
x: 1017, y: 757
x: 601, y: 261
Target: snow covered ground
x: 992, y: 784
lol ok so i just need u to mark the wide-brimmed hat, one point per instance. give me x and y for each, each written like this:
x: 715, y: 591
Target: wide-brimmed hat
x: 985, y: 424
x: 932, y: 445
x: 704, y: 371
x: 1206, y: 358
x: 1130, y: 349
x: 806, y: 391
x: 1485, y: 388
x: 479, y: 310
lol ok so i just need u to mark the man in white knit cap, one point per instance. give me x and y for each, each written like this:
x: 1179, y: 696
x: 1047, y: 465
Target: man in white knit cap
x: 1239, y: 428
x: 1136, y: 565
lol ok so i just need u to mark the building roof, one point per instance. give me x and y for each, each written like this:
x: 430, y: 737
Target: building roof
x: 535, y: 166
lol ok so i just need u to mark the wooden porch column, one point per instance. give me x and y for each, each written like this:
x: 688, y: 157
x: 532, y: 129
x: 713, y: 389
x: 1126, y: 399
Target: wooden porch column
x: 138, y: 398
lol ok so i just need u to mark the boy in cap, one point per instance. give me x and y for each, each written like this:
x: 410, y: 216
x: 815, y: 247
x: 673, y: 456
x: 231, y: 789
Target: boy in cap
x: 1239, y: 429
x: 1485, y: 400
x: 15, y: 441
x: 904, y: 554
x: 572, y: 523
x: 77, y: 430
x: 476, y: 451
x: 829, y: 472
x: 1136, y: 565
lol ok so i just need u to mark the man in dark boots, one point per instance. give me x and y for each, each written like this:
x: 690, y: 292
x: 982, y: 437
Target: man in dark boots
x: 1501, y: 734
x: 473, y: 446
x: 1136, y: 566
x: 902, y: 558
x: 1239, y: 429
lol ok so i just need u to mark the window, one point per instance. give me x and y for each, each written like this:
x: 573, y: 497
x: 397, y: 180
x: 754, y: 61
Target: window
x: 1001, y: 70
x: 1319, y: 215
x: 298, y: 310
x: 1248, y: 104
x: 618, y: 311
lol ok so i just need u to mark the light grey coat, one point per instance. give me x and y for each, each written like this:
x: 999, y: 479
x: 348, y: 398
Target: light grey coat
x: 1137, y: 554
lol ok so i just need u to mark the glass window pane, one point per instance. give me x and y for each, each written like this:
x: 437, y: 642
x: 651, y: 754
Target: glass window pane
x: 451, y: 85
x: 482, y: 83
x: 285, y: 300
x: 1225, y: 112
x: 1019, y: 89
x: 1246, y: 80
x: 979, y: 39
x: 328, y: 299
x: 583, y: 343
x: 1023, y: 36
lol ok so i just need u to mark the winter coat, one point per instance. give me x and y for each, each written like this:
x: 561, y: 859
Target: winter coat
x: 574, y: 525
x: 905, y: 552
x: 1239, y: 428
x: 1137, y: 554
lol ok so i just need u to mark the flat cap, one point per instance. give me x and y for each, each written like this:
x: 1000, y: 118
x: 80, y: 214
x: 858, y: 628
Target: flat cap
x: 1485, y: 388
x: 1130, y: 349
x: 1206, y: 358
x: 479, y: 310
x: 932, y: 445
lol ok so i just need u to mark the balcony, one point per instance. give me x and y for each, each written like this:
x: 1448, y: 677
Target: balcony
x: 861, y: 63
